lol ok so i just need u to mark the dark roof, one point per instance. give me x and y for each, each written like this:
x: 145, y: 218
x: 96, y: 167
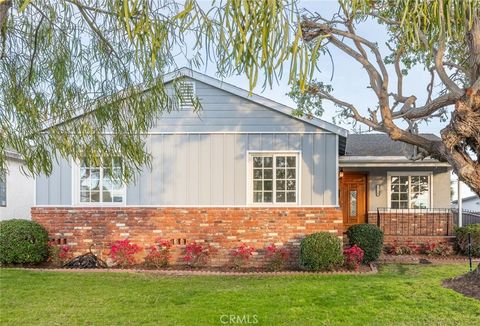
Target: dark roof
x: 379, y: 145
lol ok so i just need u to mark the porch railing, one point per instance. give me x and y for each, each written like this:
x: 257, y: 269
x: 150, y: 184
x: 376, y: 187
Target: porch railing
x: 415, y: 222
x: 468, y: 217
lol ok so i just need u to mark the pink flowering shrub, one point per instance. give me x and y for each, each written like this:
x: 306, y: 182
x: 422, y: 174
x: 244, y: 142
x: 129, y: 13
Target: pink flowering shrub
x: 399, y: 249
x: 122, y: 252
x: 197, y: 254
x: 159, y: 254
x: 353, y: 257
x: 436, y: 249
x: 276, y: 257
x: 241, y: 255
x: 58, y: 255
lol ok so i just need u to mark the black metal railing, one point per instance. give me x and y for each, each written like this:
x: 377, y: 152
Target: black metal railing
x: 468, y: 217
x: 415, y: 221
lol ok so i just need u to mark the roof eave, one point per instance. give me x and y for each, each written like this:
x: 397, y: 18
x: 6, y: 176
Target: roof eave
x: 366, y: 161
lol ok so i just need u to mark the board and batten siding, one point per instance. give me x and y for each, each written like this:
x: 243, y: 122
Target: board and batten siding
x: 200, y: 158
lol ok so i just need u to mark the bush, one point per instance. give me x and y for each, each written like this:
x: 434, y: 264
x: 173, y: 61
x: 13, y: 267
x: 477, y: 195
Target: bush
x: 159, y: 254
x: 276, y: 257
x: 437, y: 249
x: 197, y: 255
x: 321, y: 251
x: 58, y: 255
x: 241, y: 255
x: 122, y: 252
x: 462, y: 239
x: 369, y: 237
x: 23, y: 242
x: 353, y: 257
x: 402, y: 249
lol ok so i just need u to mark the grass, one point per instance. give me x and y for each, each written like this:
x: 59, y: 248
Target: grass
x: 398, y: 295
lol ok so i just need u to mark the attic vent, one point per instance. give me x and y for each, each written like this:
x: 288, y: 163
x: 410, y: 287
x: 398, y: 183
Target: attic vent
x: 187, y: 95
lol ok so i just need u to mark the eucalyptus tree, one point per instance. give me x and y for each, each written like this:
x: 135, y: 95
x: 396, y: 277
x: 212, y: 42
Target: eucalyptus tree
x: 58, y: 56
x: 443, y: 36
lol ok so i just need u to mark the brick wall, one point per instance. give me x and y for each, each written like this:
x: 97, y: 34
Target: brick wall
x: 415, y: 228
x: 223, y: 228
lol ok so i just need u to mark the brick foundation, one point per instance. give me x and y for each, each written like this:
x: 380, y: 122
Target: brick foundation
x: 223, y: 228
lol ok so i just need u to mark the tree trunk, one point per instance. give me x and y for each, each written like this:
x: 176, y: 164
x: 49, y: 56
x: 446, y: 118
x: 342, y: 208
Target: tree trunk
x: 461, y: 139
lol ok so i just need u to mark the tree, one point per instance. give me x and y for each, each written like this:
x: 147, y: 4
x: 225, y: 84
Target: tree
x: 441, y: 35
x: 107, y: 46
x: 63, y: 59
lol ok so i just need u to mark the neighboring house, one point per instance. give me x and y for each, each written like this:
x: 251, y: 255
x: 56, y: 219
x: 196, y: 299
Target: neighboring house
x: 243, y: 169
x: 470, y: 203
x: 16, y: 190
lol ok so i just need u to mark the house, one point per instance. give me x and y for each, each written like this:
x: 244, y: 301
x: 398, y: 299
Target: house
x: 409, y: 200
x: 470, y: 203
x: 243, y: 169
x: 16, y: 190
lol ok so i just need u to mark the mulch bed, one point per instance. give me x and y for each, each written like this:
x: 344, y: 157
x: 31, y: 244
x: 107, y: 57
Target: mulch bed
x: 467, y: 284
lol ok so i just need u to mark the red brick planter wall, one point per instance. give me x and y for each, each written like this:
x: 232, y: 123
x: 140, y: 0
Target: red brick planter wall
x: 415, y: 228
x: 223, y: 228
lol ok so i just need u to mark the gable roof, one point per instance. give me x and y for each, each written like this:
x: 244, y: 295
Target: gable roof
x: 187, y: 72
x: 379, y: 145
x: 258, y: 99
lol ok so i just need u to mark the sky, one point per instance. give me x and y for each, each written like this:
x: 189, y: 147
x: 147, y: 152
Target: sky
x: 349, y: 79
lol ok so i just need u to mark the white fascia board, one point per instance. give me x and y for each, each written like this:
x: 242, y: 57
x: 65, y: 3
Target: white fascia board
x: 254, y: 98
x: 385, y: 161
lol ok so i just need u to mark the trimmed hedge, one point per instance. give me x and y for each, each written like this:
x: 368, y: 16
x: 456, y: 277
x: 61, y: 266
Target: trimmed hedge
x: 462, y: 239
x: 22, y: 242
x: 369, y: 237
x: 321, y: 251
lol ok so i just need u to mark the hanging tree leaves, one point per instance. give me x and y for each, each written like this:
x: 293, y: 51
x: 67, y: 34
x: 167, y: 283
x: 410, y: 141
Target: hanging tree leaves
x: 62, y: 60
x: 59, y: 57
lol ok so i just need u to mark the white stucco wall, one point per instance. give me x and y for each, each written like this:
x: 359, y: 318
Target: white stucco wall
x: 20, y: 192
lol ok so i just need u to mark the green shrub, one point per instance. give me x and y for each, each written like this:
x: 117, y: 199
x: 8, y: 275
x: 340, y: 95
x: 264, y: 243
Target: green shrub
x: 321, y: 251
x: 369, y: 237
x: 462, y: 239
x: 22, y: 242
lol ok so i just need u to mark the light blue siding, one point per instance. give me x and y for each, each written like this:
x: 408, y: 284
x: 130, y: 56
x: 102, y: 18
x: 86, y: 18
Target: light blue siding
x: 201, y: 158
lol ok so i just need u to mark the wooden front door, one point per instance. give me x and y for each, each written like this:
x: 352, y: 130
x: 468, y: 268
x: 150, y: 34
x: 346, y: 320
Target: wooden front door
x: 353, y: 198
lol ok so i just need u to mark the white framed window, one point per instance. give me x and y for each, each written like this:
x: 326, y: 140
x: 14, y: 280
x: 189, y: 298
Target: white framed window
x: 273, y: 178
x: 409, y: 190
x: 100, y: 184
x: 187, y: 95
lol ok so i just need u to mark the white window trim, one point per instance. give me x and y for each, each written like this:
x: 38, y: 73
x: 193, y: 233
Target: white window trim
x: 76, y: 190
x: 184, y: 106
x: 249, y: 174
x: 409, y: 174
x: 6, y: 189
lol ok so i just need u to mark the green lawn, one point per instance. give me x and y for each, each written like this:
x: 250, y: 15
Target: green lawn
x: 399, y: 294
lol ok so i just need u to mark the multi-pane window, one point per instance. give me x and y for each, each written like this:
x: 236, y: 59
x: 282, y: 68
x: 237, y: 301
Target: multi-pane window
x: 3, y: 189
x: 102, y: 184
x: 409, y: 191
x: 274, y: 178
x: 187, y: 95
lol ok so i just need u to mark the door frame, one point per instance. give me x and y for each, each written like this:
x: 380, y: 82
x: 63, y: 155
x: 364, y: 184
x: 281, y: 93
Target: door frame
x: 367, y: 193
